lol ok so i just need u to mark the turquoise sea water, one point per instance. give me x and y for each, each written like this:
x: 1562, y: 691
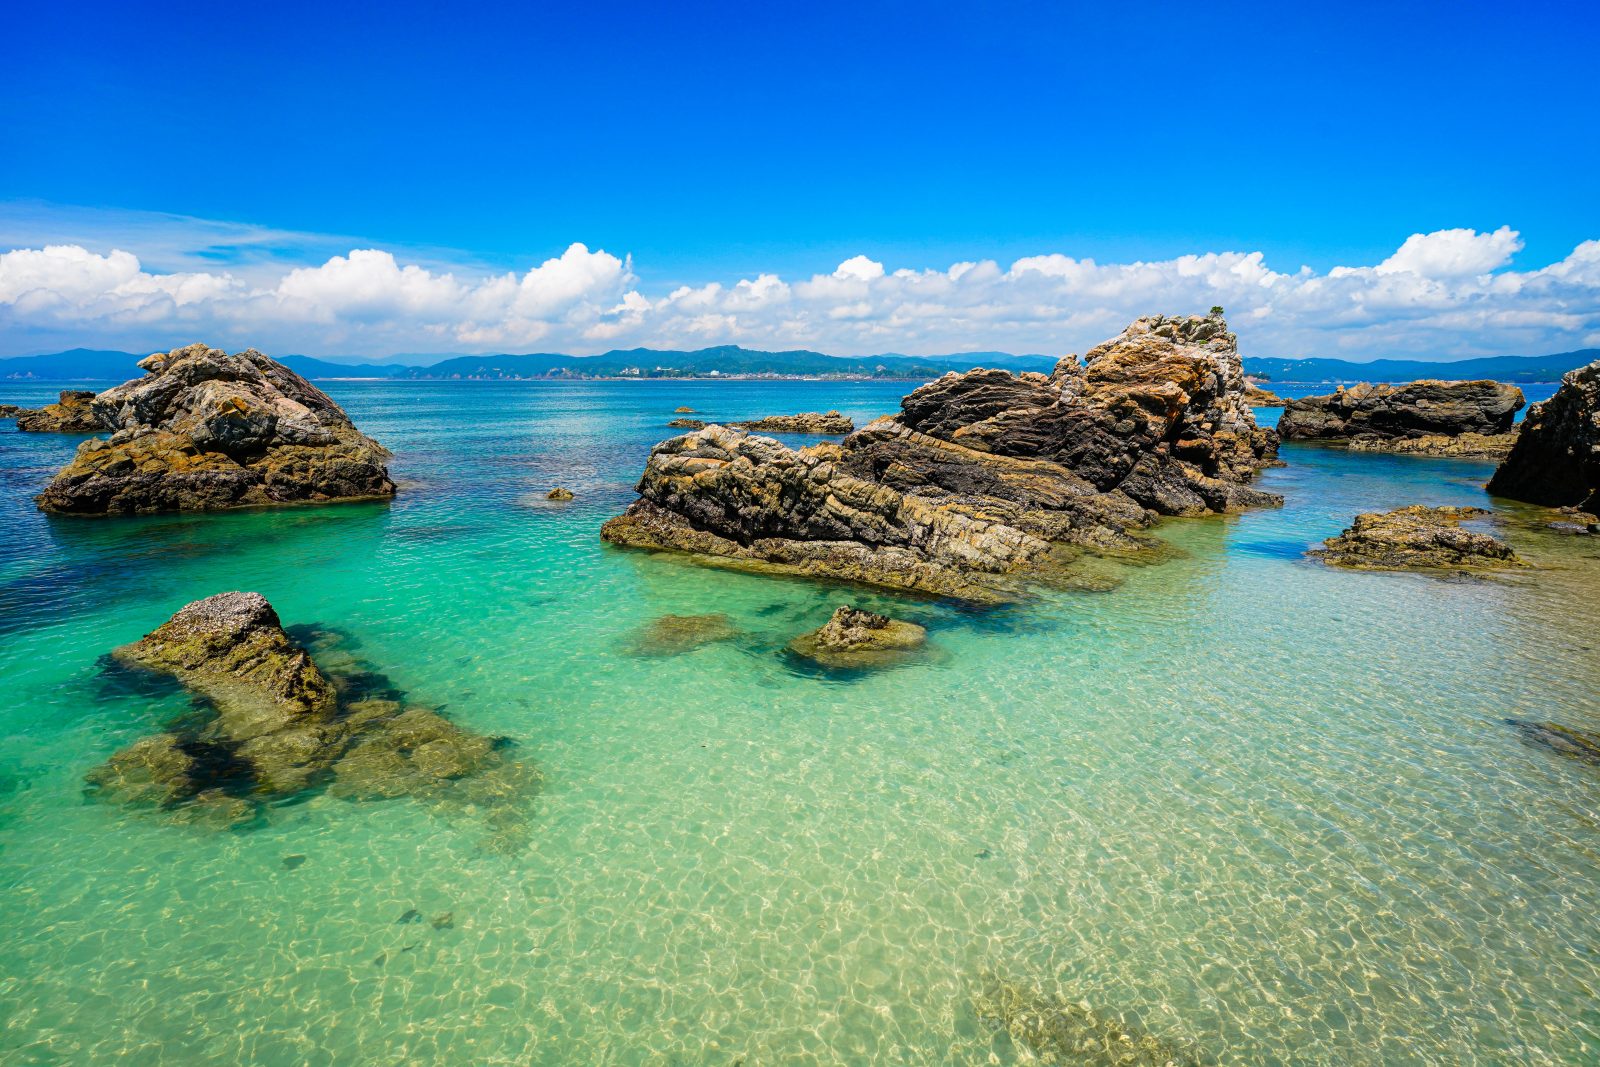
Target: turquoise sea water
x: 1265, y: 811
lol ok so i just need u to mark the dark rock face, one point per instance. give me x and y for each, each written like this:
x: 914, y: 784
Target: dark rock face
x: 72, y: 413
x: 1415, y: 410
x: 856, y: 638
x: 1556, y: 460
x: 1417, y: 538
x: 806, y: 422
x: 279, y: 726
x: 981, y: 473
x: 205, y: 430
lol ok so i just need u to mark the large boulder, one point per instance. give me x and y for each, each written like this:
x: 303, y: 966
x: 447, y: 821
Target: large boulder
x: 205, y: 430
x: 276, y: 724
x: 1416, y: 410
x: 1417, y: 538
x: 968, y: 489
x: 1556, y: 460
x: 73, y: 412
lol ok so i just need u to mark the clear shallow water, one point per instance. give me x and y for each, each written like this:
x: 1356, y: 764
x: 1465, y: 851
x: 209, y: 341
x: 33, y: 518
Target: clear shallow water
x: 1253, y: 806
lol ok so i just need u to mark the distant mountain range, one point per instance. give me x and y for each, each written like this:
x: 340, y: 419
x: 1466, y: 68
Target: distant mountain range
x: 84, y: 364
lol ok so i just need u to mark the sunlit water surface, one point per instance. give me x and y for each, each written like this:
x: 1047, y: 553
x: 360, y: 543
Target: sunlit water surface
x: 1264, y: 811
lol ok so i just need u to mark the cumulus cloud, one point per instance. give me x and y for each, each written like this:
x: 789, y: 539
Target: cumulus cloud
x: 1443, y: 294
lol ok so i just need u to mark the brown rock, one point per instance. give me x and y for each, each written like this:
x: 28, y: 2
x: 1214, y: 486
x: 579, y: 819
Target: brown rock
x: 1414, y: 410
x: 205, y: 430
x: 856, y: 638
x: 1556, y: 460
x: 559, y: 493
x: 686, y: 424
x: 73, y: 413
x: 1417, y: 538
x: 806, y: 422
x: 672, y: 634
x: 1465, y: 445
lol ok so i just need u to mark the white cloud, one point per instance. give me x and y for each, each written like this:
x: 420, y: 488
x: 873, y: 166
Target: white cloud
x: 1443, y: 294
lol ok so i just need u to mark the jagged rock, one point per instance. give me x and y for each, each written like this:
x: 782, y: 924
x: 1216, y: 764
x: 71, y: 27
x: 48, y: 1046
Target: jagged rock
x: 1414, y: 410
x: 205, y: 430
x: 966, y: 491
x: 559, y: 493
x: 1556, y: 460
x: 806, y: 422
x: 10, y: 411
x: 670, y: 635
x: 1577, y: 744
x: 686, y: 424
x: 278, y: 725
x: 1258, y: 397
x: 1417, y: 538
x: 856, y: 638
x: 683, y: 411
x: 73, y: 413
x: 1466, y: 445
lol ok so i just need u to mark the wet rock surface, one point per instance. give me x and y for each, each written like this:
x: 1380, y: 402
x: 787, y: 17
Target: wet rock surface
x: 276, y: 726
x: 971, y: 490
x: 829, y: 422
x: 686, y: 424
x: 1417, y: 538
x: 205, y: 430
x: 856, y: 638
x: 1556, y: 459
x: 73, y: 412
x: 1419, y: 409
x: 1465, y: 445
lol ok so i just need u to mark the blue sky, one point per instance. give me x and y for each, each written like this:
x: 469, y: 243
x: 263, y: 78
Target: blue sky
x: 710, y: 144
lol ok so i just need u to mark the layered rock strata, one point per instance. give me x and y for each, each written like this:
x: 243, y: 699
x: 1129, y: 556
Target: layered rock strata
x: 1417, y: 538
x: 1465, y: 445
x: 73, y: 412
x: 971, y: 488
x: 1420, y: 412
x: 276, y: 724
x: 205, y: 430
x: 1556, y: 460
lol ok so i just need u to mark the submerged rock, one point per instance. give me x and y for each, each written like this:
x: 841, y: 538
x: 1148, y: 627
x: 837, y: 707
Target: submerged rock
x: 72, y: 413
x: 559, y: 493
x: 1465, y: 445
x: 1058, y: 1029
x: 1576, y: 744
x: 278, y: 725
x: 805, y: 422
x: 686, y: 424
x: 1417, y: 538
x: 672, y: 634
x: 856, y: 638
x: 1422, y: 409
x: 205, y: 430
x: 969, y: 489
x: 1556, y: 460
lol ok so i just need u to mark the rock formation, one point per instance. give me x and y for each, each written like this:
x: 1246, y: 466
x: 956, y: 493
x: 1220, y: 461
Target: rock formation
x: 683, y: 410
x: 686, y: 424
x: 968, y: 491
x: 1258, y: 397
x: 205, y: 430
x: 1465, y: 445
x: 277, y: 724
x: 1417, y: 538
x: 10, y: 411
x: 1417, y: 412
x: 1556, y: 460
x: 72, y: 413
x: 856, y: 638
x: 559, y: 493
x: 806, y: 422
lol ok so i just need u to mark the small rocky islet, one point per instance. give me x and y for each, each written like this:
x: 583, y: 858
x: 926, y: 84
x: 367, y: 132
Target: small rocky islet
x: 807, y: 422
x: 1434, y: 418
x: 275, y: 726
x: 204, y: 430
x: 855, y: 639
x: 71, y: 413
x: 981, y: 480
x: 1417, y: 538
